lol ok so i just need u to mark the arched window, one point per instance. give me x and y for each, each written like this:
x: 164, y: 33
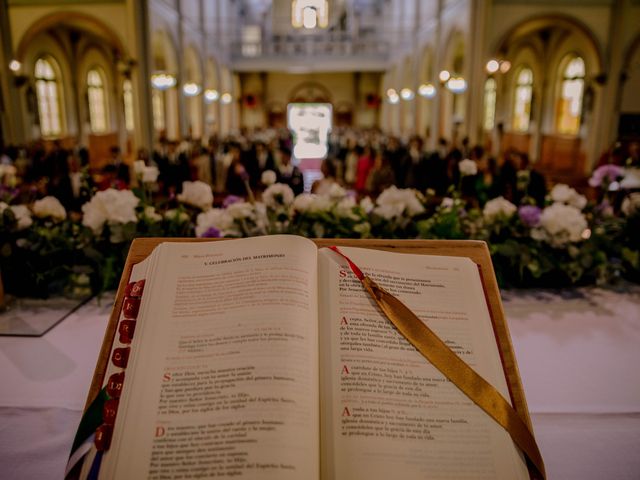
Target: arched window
x: 48, y: 98
x: 157, y: 103
x: 522, y: 102
x: 570, y: 101
x: 127, y: 95
x: 97, y: 101
x: 489, y: 104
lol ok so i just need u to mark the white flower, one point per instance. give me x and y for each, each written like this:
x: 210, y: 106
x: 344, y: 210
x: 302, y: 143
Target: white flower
x: 631, y: 178
x: 467, y: 167
x: 278, y: 195
x: 631, y: 204
x: 447, y: 202
x: 113, y: 206
x: 217, y: 218
x: 139, y: 166
x: 22, y: 214
x: 151, y: 214
x: 394, y: 202
x: 336, y: 192
x: 309, y: 202
x: 345, y: 207
x: 150, y: 174
x: 240, y: 210
x: 498, y: 207
x: 176, y: 215
x: 560, y: 224
x: 198, y: 194
x: 268, y: 177
x: 49, y: 207
x: 366, y: 204
x: 562, y: 193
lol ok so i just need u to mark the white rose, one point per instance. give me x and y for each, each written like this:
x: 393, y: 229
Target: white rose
x: 631, y: 178
x: 560, y: 224
x: 366, y: 204
x: 23, y: 216
x: 217, y: 218
x: 198, y: 194
x: 345, y: 207
x: 302, y: 202
x: 139, y: 166
x: 447, y: 202
x: 467, y: 167
x: 240, y: 210
x: 336, y: 192
x: 176, y: 215
x: 151, y: 214
x: 268, y: 177
x: 389, y: 210
x: 631, y: 204
x: 113, y: 206
x: 309, y: 202
x: 403, y: 201
x: 498, y: 207
x: 278, y: 195
x: 49, y: 207
x: 562, y: 193
x: 150, y: 174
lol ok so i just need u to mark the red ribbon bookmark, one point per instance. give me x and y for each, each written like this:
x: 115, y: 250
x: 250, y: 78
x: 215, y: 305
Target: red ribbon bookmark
x: 354, y: 268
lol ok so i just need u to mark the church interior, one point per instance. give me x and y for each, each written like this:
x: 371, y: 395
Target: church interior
x: 511, y: 122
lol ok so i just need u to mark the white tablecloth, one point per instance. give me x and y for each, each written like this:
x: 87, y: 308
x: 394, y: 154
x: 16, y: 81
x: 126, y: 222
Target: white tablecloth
x: 578, y: 354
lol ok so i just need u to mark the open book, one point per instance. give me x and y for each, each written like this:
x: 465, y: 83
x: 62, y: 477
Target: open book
x: 264, y: 358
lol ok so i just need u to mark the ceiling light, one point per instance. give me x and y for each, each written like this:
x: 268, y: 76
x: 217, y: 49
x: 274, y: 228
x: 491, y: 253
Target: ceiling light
x: 444, y: 75
x: 456, y: 85
x: 427, y: 90
x: 211, y: 95
x: 163, y: 81
x: 226, y: 98
x: 191, y: 89
x: 15, y: 66
x: 505, y: 66
x: 493, y: 66
x: 407, y: 94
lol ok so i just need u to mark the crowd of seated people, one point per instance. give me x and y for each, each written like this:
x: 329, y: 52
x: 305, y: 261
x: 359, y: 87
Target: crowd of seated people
x: 366, y: 162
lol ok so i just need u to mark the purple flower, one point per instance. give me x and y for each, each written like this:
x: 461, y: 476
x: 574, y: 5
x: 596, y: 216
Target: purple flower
x: 211, y: 232
x: 231, y: 199
x: 529, y: 215
x: 609, y: 172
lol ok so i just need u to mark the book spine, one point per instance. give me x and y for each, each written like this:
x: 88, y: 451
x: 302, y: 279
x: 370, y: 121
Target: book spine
x: 120, y: 354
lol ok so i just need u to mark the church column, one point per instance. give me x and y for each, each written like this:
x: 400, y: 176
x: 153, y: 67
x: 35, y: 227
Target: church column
x: 12, y: 121
x: 437, y: 102
x: 141, y: 73
x: 475, y: 70
x: 605, y: 114
x: 182, y: 107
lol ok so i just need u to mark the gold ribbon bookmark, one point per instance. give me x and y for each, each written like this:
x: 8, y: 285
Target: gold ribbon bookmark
x: 481, y: 392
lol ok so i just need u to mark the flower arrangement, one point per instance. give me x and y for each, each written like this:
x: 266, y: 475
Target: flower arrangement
x: 44, y: 249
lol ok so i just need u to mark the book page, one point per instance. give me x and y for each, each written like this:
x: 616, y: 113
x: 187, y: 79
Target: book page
x: 386, y: 411
x: 224, y: 380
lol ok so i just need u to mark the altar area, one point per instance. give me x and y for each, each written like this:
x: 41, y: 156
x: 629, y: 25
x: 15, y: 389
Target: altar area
x: 577, y: 351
